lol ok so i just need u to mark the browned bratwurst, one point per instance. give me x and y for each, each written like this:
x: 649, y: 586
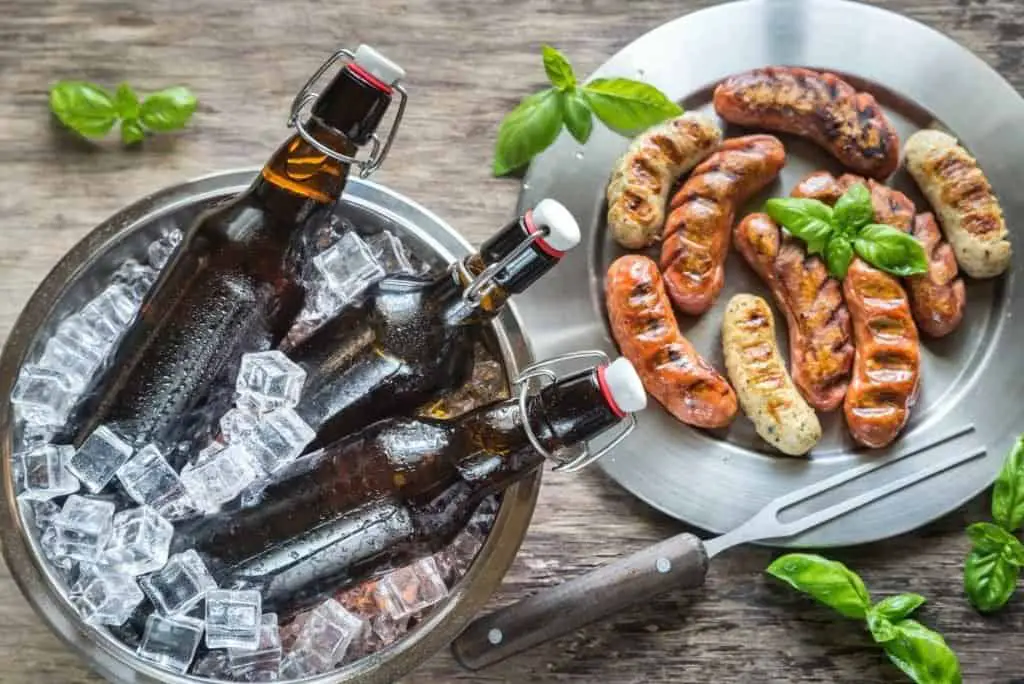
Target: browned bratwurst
x: 937, y: 298
x: 645, y: 329
x: 887, y: 367
x: 820, y: 348
x: 819, y: 106
x: 698, y: 229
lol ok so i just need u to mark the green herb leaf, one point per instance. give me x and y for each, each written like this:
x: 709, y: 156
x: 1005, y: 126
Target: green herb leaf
x: 1008, y: 493
x: 809, y: 220
x: 890, y: 250
x: 126, y: 102
x: 578, y: 117
x: 132, y: 131
x: 627, y: 106
x: 168, y: 109
x: 854, y: 209
x: 85, y: 108
x: 830, y: 582
x: 898, y: 607
x: 528, y: 129
x: 923, y: 654
x: 838, y: 255
x: 989, y: 538
x: 881, y: 627
x: 558, y: 69
x: 989, y: 579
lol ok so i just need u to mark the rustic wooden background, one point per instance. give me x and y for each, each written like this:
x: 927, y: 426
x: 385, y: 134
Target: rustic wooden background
x: 469, y: 62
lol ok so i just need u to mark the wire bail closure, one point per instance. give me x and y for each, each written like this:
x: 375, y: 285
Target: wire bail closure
x: 474, y: 292
x: 543, y: 372
x: 307, y: 97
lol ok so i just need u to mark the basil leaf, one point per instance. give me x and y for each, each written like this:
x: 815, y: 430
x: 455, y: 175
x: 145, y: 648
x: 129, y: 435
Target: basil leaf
x: 923, y: 654
x: 890, y: 250
x: 558, y: 69
x: 627, y: 106
x: 838, y: 255
x: 989, y: 538
x: 1008, y: 493
x: 168, y: 109
x: 131, y: 131
x: 578, y: 117
x: 897, y: 607
x: 528, y: 129
x: 881, y: 628
x: 989, y: 580
x: 808, y: 219
x: 1013, y: 552
x: 830, y: 582
x: 854, y: 209
x: 83, y: 107
x: 126, y: 102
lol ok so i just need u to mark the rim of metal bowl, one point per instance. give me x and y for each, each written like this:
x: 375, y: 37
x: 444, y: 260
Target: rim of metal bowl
x: 108, y: 656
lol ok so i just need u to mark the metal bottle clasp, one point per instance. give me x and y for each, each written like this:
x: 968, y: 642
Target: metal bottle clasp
x: 542, y: 371
x: 485, y: 279
x: 307, y: 97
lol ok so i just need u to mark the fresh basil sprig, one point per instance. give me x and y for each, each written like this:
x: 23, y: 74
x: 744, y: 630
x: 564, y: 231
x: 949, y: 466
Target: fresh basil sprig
x: 92, y: 112
x: 838, y: 232
x: 623, y: 105
x: 993, y: 566
x: 919, y: 652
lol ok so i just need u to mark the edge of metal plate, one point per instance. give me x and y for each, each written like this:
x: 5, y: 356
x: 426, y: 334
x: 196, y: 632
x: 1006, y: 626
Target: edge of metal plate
x: 687, y: 473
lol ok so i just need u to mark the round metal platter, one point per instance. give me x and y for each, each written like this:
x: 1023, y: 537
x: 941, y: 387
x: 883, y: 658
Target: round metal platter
x: 972, y: 378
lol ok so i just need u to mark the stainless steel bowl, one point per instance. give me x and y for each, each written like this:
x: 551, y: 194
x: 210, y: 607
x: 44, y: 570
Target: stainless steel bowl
x: 85, y: 270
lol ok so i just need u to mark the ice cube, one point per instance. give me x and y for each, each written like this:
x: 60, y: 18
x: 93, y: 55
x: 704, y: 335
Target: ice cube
x: 237, y: 424
x: 212, y: 665
x: 348, y: 268
x: 268, y: 380
x: 43, y: 513
x: 324, y: 638
x: 83, y: 527
x: 170, y: 643
x: 409, y: 590
x: 208, y: 452
x: 110, y: 312
x: 220, y: 479
x: 151, y: 481
x: 160, y: 251
x: 140, y: 541
x: 49, y: 542
x: 180, y: 584
x: 137, y: 277
x: 278, y: 439
x: 43, y: 396
x: 265, y: 660
x: 233, y: 618
x: 34, y: 434
x: 107, y: 598
x: 99, y: 458
x: 44, y: 472
x: 73, y: 357
x: 391, y: 253
x: 454, y: 560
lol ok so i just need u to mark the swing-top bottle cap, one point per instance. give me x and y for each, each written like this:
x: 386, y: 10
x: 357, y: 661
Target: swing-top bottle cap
x: 379, y: 66
x: 563, y: 230
x: 621, y: 387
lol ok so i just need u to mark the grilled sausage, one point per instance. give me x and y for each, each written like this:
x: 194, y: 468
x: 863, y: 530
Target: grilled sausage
x: 755, y: 367
x: 887, y: 364
x: 937, y: 298
x: 819, y: 106
x: 699, y: 227
x: 820, y: 347
x: 962, y: 197
x: 644, y: 175
x: 645, y: 329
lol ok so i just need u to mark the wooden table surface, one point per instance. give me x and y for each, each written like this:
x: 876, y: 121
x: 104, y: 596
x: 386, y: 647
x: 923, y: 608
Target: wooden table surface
x: 469, y: 62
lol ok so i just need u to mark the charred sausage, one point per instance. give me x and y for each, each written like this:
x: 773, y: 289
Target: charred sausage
x: 817, y: 105
x: 644, y: 175
x: 820, y: 339
x: 891, y: 206
x: 779, y: 414
x: 698, y: 230
x: 962, y: 197
x: 645, y: 329
x: 887, y: 365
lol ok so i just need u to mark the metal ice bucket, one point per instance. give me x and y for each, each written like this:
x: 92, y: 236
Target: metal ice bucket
x: 85, y: 270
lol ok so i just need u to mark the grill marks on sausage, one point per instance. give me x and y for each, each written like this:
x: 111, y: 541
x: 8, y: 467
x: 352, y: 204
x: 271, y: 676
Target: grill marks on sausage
x: 967, y: 190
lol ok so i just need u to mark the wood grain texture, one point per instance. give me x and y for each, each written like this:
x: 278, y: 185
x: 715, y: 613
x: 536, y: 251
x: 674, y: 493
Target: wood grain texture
x: 469, y: 62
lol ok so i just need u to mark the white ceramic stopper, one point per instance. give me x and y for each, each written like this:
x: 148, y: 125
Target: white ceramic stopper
x: 563, y: 231
x: 379, y: 65
x: 624, y: 386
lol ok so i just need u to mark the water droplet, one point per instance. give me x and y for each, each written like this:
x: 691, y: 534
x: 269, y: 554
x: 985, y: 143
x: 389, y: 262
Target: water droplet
x: 640, y: 73
x: 526, y: 186
x: 495, y: 636
x: 579, y: 155
x: 663, y: 565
